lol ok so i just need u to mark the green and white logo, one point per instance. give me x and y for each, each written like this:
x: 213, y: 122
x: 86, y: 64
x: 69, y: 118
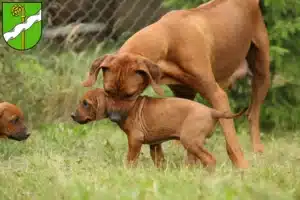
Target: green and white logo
x: 22, y: 24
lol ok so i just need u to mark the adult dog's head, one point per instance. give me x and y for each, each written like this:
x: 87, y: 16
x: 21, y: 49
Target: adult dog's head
x: 91, y: 107
x: 125, y: 76
x: 12, y: 122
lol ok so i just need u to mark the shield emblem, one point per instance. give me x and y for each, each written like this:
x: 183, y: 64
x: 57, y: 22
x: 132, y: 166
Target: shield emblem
x: 22, y: 24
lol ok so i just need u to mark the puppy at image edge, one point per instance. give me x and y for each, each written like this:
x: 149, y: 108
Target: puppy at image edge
x: 12, y: 124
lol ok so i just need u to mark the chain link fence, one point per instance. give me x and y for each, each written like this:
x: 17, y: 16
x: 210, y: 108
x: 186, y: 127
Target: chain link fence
x: 82, y: 24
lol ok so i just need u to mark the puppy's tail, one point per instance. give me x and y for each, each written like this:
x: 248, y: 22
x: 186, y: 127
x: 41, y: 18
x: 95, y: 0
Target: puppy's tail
x: 228, y: 115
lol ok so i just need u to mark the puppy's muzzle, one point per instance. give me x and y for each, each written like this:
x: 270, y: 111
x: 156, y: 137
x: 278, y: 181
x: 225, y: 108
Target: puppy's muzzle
x: 20, y: 136
x: 76, y: 119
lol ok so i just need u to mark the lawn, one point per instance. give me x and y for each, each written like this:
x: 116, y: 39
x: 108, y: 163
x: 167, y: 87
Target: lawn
x: 70, y: 161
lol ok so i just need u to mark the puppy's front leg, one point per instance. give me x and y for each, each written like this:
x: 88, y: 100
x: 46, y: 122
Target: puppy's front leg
x: 134, y: 149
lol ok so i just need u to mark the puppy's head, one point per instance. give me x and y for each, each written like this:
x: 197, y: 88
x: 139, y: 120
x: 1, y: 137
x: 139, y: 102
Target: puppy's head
x: 125, y: 76
x: 91, y: 107
x: 12, y: 122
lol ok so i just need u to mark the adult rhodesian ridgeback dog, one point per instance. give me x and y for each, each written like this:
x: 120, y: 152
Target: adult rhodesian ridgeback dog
x: 195, y: 50
x: 12, y: 122
x: 155, y: 120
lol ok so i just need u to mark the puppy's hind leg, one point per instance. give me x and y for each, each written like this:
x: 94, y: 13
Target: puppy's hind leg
x: 191, y: 159
x: 185, y: 92
x: 193, y: 141
x: 197, y: 149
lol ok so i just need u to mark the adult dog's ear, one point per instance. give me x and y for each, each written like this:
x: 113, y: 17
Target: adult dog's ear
x: 152, y: 72
x: 94, y: 71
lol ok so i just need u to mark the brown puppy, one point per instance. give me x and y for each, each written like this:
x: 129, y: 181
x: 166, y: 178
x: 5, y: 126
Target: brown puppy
x: 12, y: 122
x: 155, y: 120
x: 195, y: 50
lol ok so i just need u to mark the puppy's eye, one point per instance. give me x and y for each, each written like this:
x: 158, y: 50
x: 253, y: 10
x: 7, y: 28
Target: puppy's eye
x: 15, y: 120
x: 128, y: 95
x: 85, y: 104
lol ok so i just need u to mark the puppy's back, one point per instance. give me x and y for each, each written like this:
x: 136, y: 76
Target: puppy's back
x: 171, y: 108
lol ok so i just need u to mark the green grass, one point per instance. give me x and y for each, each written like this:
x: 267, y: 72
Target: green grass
x: 70, y: 161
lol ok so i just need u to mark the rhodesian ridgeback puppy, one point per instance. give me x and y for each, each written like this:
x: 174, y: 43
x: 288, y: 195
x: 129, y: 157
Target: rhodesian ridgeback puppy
x: 12, y: 122
x: 194, y: 50
x: 155, y: 120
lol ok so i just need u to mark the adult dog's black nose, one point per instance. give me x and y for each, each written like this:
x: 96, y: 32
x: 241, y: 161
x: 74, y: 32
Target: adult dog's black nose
x: 114, y: 116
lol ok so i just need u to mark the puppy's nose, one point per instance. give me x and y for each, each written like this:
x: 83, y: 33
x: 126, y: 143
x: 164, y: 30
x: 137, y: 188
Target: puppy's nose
x: 114, y: 116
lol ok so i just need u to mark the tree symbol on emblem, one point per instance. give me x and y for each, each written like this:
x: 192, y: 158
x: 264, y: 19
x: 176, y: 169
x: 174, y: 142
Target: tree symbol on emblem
x: 16, y: 11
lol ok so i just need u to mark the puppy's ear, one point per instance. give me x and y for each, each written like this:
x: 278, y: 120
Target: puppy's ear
x: 152, y: 72
x: 94, y: 71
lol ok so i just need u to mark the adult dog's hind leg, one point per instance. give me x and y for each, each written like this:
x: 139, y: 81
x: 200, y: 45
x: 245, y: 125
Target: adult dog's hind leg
x: 259, y: 62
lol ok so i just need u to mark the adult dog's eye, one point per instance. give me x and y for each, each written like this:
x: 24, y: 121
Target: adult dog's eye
x: 85, y: 103
x: 15, y: 120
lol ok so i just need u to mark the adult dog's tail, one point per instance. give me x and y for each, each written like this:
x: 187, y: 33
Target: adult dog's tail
x: 228, y: 115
